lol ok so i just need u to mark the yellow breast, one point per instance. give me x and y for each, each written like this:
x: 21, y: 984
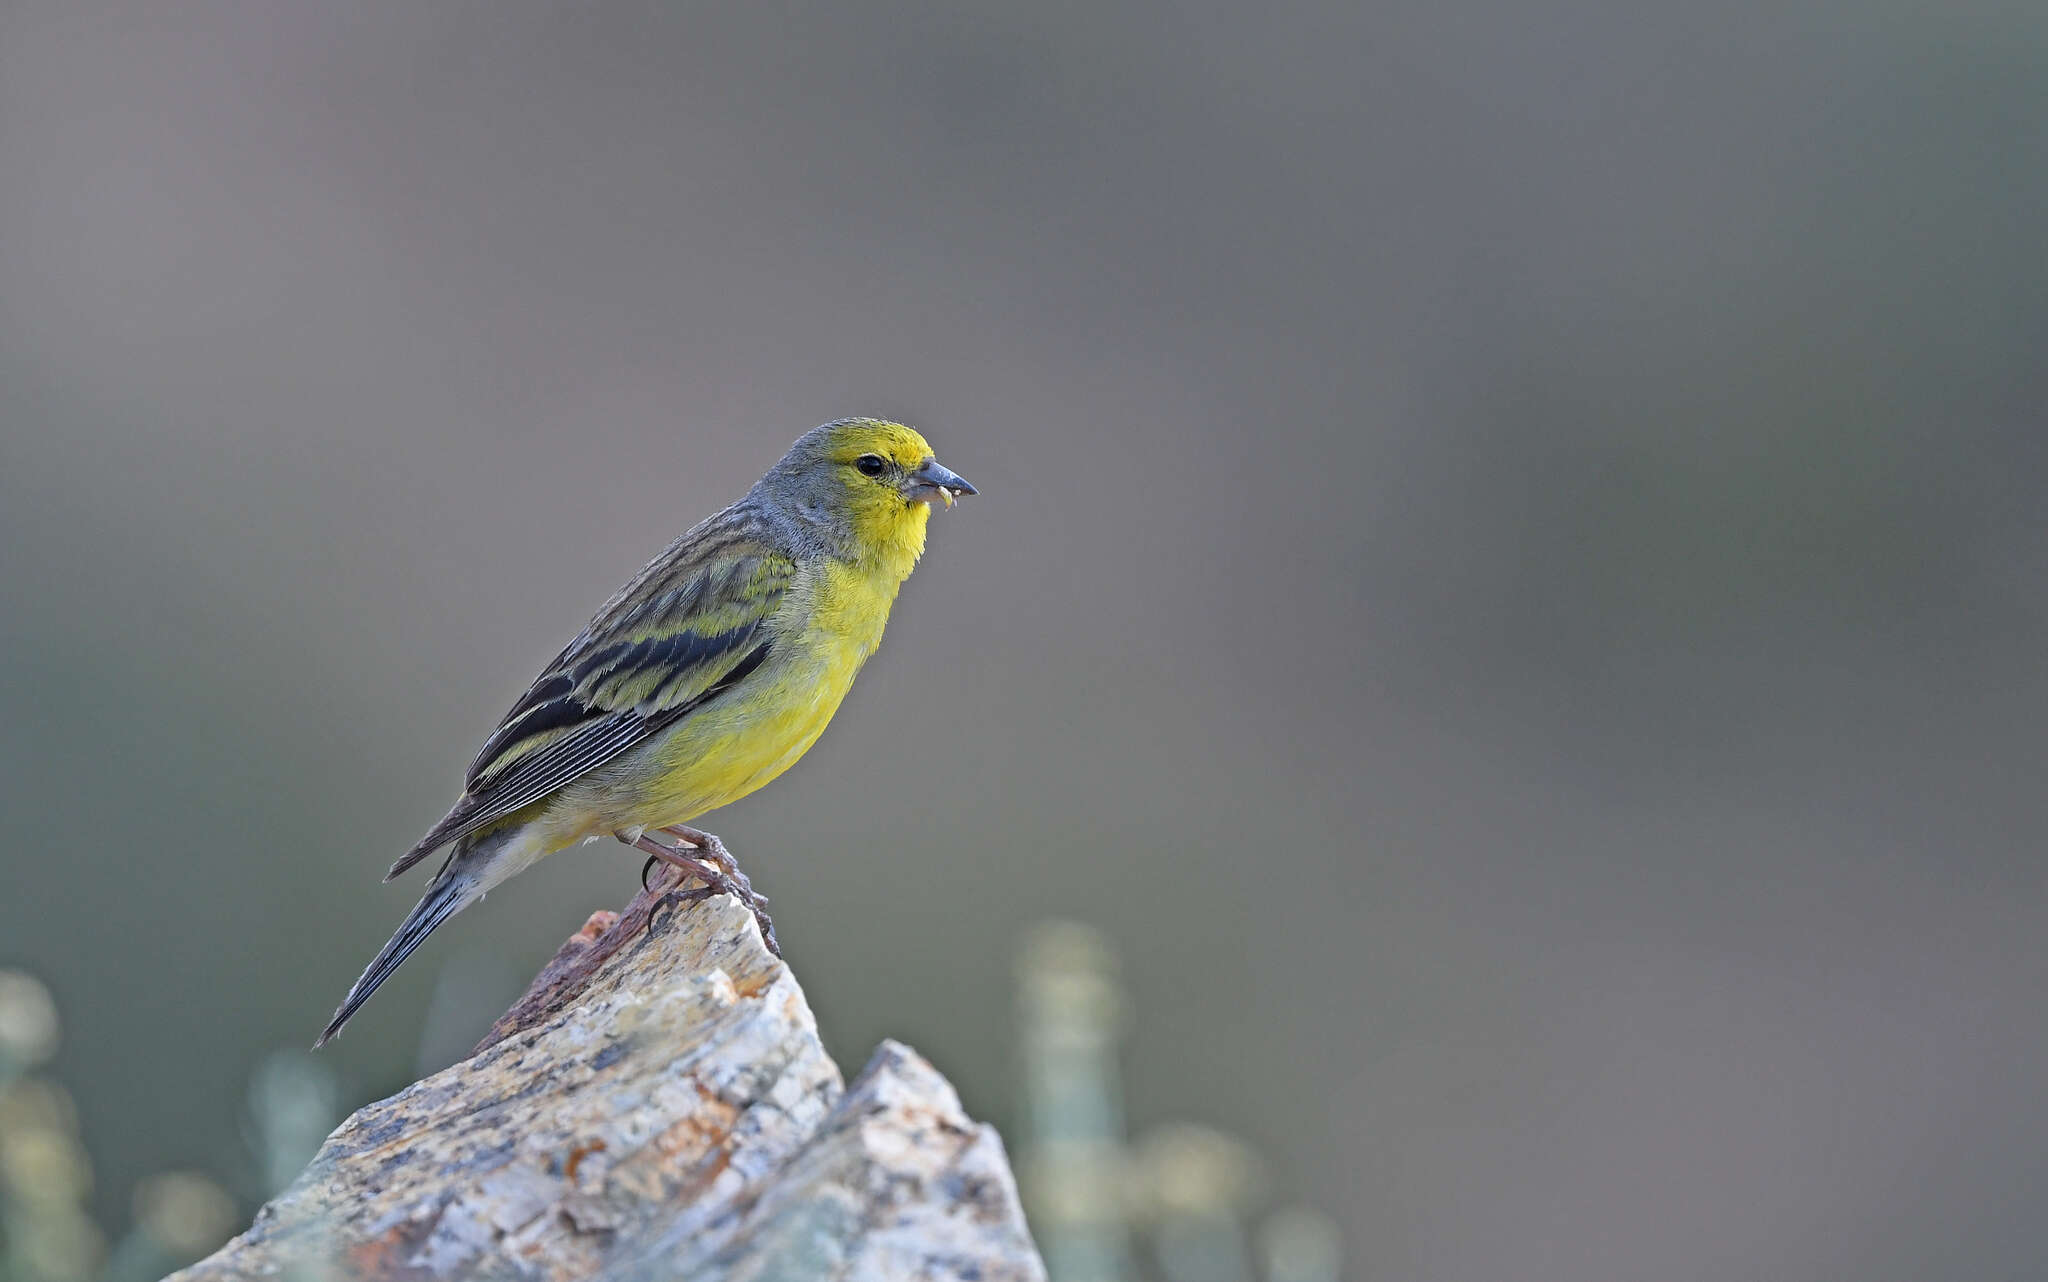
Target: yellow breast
x: 830, y: 623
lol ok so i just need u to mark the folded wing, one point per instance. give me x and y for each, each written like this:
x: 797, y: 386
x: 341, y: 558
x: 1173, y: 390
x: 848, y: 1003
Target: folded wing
x: 692, y: 626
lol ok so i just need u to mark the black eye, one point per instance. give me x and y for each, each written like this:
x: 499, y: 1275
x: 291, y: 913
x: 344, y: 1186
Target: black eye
x: 870, y: 465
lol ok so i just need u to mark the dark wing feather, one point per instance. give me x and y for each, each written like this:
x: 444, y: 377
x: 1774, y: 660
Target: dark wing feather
x: 689, y: 628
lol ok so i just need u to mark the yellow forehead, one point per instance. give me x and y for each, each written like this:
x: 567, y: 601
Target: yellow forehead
x: 893, y: 441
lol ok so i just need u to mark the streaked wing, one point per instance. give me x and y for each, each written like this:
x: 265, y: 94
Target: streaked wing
x: 689, y: 627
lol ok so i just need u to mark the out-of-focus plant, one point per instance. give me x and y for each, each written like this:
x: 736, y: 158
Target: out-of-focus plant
x: 294, y: 1101
x: 1074, y: 1171
x: 1187, y: 1189
x: 28, y: 1024
x: 179, y: 1217
x: 1300, y: 1245
x: 46, y: 1231
x: 45, y: 1178
x: 1197, y: 1185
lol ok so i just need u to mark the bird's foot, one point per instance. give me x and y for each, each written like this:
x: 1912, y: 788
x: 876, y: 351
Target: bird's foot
x: 717, y: 871
x: 713, y: 851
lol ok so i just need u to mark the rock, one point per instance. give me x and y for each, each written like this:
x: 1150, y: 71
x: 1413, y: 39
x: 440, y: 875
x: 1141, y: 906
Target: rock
x: 655, y: 1107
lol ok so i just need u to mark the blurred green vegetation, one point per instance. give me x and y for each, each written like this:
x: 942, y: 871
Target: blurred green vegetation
x: 48, y: 1232
x: 1184, y: 1190
x: 46, y: 1224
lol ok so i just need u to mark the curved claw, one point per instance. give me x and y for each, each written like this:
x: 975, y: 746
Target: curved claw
x: 647, y: 868
x: 664, y: 907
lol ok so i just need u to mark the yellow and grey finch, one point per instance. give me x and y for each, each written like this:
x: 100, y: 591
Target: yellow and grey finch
x: 705, y: 677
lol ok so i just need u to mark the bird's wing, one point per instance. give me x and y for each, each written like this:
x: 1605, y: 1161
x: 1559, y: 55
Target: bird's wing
x: 689, y: 628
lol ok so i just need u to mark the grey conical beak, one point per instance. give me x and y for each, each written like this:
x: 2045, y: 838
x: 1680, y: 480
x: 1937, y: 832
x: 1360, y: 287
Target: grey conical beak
x: 932, y: 483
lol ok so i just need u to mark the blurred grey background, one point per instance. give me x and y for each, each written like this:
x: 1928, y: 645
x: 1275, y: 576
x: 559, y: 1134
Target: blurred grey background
x: 1510, y: 575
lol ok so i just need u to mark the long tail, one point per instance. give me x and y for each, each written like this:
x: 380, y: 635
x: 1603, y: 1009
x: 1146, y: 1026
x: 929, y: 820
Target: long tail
x: 444, y: 898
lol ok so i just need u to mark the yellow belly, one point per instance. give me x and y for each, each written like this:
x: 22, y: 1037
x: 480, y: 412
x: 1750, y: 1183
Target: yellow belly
x: 745, y: 738
x: 713, y: 760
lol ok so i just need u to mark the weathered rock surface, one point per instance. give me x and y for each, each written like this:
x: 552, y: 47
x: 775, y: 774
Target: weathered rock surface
x: 655, y: 1107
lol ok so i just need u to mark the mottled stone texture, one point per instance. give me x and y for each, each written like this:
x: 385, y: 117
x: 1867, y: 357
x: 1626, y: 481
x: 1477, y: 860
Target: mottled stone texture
x: 655, y: 1107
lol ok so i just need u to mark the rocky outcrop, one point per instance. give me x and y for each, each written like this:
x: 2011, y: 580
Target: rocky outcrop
x: 657, y: 1106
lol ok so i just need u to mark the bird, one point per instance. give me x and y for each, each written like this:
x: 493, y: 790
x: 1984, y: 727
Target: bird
x: 702, y: 679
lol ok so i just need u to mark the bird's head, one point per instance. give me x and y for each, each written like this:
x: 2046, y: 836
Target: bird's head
x: 868, y: 485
